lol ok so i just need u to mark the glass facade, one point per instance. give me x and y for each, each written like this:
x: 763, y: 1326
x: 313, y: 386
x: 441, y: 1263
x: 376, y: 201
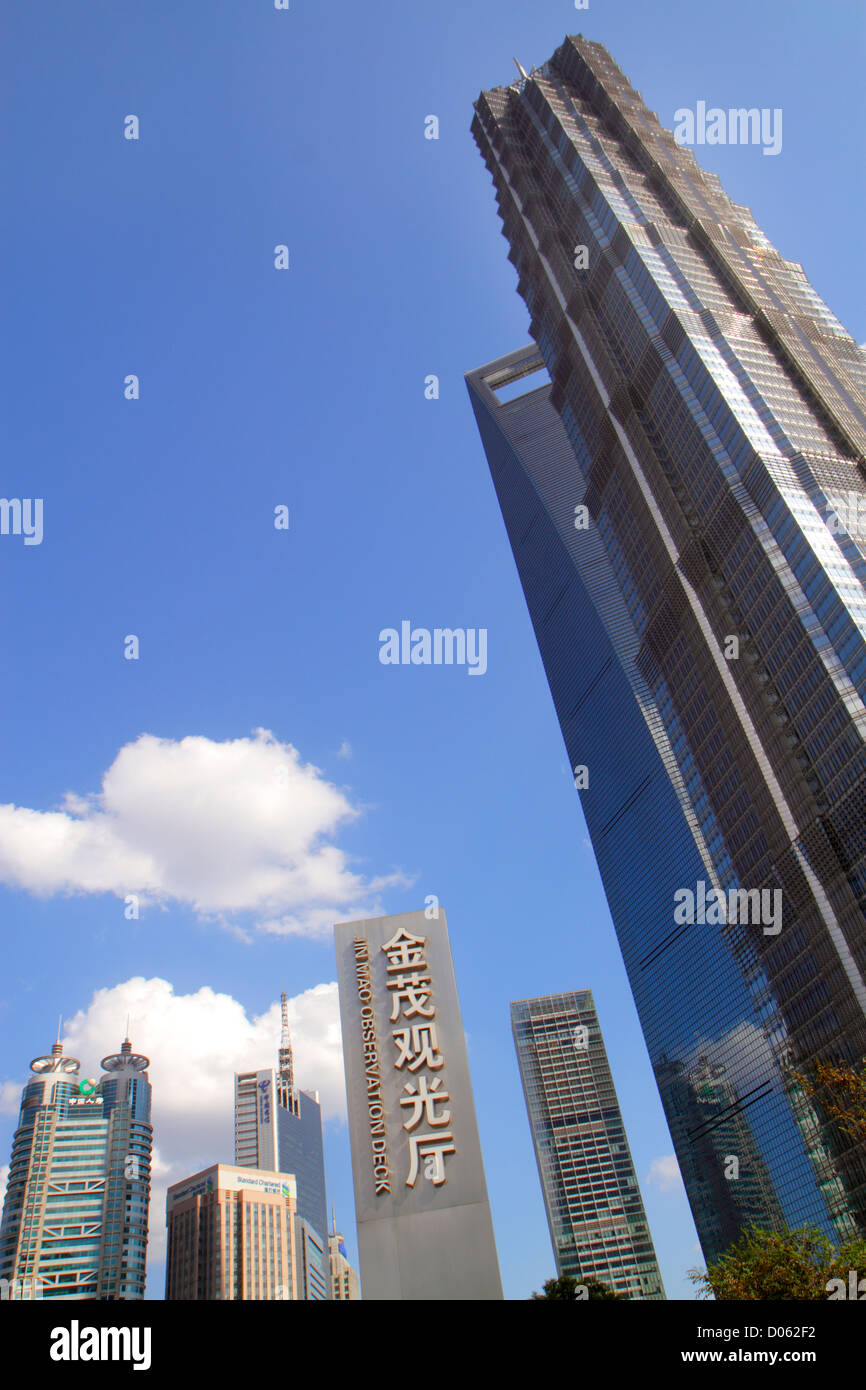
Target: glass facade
x: 301, y: 1151
x: 597, y: 1221
x: 279, y: 1128
x: 314, y: 1264
x: 684, y: 505
x: 76, y: 1209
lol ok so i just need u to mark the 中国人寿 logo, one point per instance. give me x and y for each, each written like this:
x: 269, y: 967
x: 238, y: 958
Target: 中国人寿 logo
x: 708, y: 906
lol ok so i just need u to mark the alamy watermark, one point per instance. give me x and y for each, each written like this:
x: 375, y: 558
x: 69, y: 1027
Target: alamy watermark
x: 708, y: 906
x: 855, y: 1289
x: 737, y: 126
x: 77, y: 1343
x: 22, y: 1290
x: 444, y: 646
x: 22, y: 516
x: 846, y: 514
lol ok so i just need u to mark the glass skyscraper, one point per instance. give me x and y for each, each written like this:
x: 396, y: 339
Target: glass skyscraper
x: 597, y: 1221
x: 75, y: 1216
x: 684, y: 499
x: 279, y: 1128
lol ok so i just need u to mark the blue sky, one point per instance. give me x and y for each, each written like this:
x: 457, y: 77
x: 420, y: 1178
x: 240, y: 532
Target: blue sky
x: 305, y: 388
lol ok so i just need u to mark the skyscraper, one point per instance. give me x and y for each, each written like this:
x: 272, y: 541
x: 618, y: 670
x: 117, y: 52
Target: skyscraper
x: 598, y: 1226
x: 232, y: 1235
x: 345, y: 1284
x: 683, y: 500
x: 75, y: 1215
x: 278, y: 1128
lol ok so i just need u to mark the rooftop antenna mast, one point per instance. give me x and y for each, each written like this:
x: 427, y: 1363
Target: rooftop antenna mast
x: 287, y: 1063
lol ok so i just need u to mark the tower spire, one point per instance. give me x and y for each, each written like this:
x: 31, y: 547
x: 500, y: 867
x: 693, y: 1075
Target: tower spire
x: 287, y: 1065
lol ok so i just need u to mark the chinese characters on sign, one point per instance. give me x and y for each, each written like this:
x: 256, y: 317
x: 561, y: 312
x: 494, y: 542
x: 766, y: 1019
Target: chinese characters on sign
x: 264, y: 1103
x: 424, y: 1226
x: 417, y: 1044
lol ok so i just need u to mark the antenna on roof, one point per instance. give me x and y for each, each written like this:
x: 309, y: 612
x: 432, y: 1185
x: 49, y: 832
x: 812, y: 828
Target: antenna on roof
x: 287, y: 1065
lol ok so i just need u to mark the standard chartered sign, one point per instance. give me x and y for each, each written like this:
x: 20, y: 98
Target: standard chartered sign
x: 424, y: 1228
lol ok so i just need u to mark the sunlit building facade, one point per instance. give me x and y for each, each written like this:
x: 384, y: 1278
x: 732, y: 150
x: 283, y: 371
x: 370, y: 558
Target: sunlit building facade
x: 76, y: 1210
x: 345, y: 1284
x: 232, y: 1236
x: 598, y: 1226
x: 278, y: 1128
x: 683, y: 487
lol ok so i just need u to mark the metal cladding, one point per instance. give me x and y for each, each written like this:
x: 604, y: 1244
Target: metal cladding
x: 686, y: 505
x: 598, y: 1226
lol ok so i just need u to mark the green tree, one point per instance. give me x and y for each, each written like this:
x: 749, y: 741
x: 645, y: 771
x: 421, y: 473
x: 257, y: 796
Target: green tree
x: 567, y: 1288
x: 840, y: 1090
x: 776, y: 1265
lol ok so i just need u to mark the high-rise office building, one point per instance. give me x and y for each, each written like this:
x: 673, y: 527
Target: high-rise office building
x: 279, y: 1128
x: 683, y: 499
x: 598, y: 1226
x: 233, y: 1235
x: 345, y: 1284
x: 75, y: 1216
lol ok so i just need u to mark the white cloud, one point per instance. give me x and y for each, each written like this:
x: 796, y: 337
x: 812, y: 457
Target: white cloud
x: 345, y: 749
x: 4, y: 1178
x: 744, y: 1052
x: 664, y: 1174
x: 196, y: 1042
x: 10, y: 1097
x: 242, y: 826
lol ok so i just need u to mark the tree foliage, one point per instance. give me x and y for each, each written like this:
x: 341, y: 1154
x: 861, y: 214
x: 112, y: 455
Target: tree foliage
x: 570, y: 1290
x: 776, y: 1265
x: 840, y: 1090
